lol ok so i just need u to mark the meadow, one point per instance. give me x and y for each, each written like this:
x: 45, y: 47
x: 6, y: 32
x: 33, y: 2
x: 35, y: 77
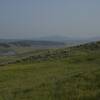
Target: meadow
x: 53, y: 74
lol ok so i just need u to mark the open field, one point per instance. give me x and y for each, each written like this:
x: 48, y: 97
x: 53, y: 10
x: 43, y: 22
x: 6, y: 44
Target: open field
x: 53, y: 74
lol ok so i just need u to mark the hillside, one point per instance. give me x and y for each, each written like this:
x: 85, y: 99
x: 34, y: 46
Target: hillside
x: 53, y: 74
x: 54, y: 54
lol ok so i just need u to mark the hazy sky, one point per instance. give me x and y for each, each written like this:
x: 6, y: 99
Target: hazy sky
x: 36, y: 18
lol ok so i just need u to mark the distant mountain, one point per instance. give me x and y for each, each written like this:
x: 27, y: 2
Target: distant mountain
x: 55, y: 38
x: 94, y: 39
x: 68, y: 39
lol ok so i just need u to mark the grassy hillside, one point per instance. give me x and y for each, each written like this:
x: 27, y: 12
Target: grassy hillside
x: 53, y: 74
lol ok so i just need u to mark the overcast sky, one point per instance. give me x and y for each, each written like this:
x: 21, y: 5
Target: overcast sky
x: 36, y: 18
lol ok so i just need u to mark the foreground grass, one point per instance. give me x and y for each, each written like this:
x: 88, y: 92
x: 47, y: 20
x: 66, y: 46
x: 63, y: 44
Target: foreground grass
x: 50, y: 81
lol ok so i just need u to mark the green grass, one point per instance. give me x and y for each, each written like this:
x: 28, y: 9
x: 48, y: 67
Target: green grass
x: 76, y: 77
x: 50, y: 81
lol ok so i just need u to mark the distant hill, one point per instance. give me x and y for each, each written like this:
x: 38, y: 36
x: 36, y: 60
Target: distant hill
x: 9, y: 47
x: 48, y: 41
x: 25, y: 43
x: 35, y: 43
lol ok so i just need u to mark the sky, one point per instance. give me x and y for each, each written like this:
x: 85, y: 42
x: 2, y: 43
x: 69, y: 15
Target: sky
x: 40, y: 18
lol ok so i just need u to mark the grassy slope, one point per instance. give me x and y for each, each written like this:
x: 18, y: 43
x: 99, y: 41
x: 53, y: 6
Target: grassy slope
x: 76, y: 77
